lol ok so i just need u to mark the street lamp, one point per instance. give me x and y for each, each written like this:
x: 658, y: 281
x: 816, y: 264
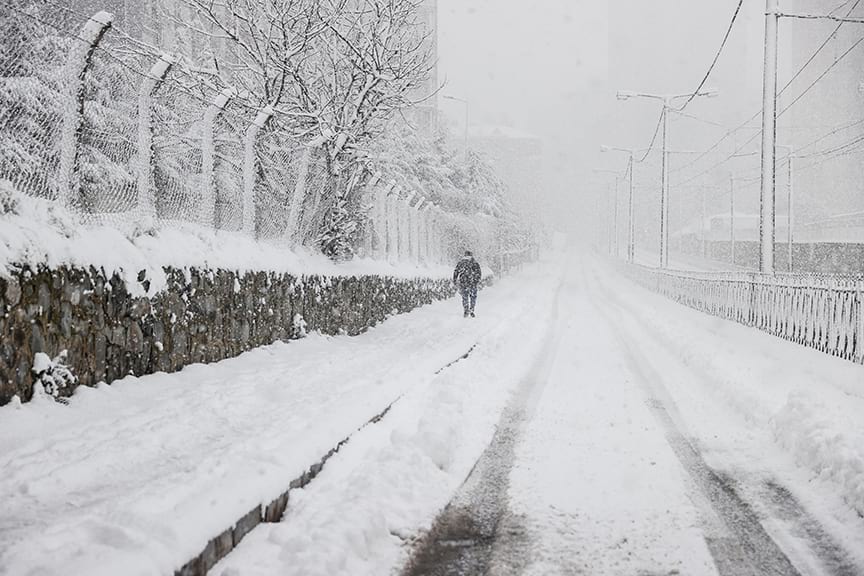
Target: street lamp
x: 465, y: 103
x: 613, y: 244
x: 631, y: 236
x: 667, y: 100
x: 790, y: 154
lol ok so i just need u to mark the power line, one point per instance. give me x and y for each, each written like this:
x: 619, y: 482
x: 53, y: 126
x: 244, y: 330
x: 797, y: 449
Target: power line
x: 696, y: 118
x: 794, y: 77
x: 653, y: 138
x: 822, y: 17
x: 716, y: 58
x: 822, y: 46
x: 838, y: 148
x: 818, y: 78
x: 831, y: 133
x: 843, y: 5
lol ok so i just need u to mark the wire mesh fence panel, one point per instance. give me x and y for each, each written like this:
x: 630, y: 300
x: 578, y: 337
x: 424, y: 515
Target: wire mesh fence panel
x: 278, y: 165
x: 319, y: 192
x: 93, y: 115
x: 34, y: 42
x: 107, y: 165
x: 176, y: 126
x: 228, y: 171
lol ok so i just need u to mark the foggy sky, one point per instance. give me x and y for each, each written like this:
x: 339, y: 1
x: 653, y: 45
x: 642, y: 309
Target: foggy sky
x: 552, y: 69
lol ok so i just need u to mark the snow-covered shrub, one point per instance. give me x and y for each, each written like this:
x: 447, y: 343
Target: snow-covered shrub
x: 299, y: 325
x: 436, y: 165
x: 9, y: 203
x: 52, y: 374
x: 341, y: 230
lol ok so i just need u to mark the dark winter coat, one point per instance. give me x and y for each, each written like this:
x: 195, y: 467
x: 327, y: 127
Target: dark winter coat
x: 467, y: 273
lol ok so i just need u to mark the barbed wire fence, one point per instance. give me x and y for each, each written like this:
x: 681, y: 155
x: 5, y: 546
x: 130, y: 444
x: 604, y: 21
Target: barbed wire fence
x: 124, y: 135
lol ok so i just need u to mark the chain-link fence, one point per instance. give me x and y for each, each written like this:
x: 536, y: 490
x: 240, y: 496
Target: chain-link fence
x: 123, y: 135
x: 33, y: 94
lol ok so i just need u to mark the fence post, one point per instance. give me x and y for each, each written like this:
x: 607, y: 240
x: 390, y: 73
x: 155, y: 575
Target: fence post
x: 207, y: 208
x: 146, y: 194
x: 297, y: 198
x: 405, y: 227
x: 859, y: 324
x: 426, y: 227
x: 415, y: 217
x: 369, y: 203
x: 432, y: 236
x: 393, y: 225
x: 249, y: 169
x: 77, y: 63
x: 380, y: 212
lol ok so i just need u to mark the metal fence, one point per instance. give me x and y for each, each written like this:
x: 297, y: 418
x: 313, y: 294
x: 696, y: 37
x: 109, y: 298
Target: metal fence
x: 819, y: 311
x: 125, y: 136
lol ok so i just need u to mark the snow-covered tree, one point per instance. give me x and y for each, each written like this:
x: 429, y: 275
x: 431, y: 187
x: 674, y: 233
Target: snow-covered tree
x: 31, y: 83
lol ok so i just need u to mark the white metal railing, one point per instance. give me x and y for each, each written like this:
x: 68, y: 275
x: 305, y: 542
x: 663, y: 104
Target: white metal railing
x: 825, y: 312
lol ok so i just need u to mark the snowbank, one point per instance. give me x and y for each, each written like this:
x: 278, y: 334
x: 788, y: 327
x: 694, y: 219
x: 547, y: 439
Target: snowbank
x: 381, y: 490
x: 140, y: 475
x: 41, y: 232
x: 807, y: 402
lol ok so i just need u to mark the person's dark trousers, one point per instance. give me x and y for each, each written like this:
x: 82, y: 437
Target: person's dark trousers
x: 469, y: 299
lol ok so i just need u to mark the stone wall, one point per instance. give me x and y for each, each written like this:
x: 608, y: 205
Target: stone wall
x: 202, y: 316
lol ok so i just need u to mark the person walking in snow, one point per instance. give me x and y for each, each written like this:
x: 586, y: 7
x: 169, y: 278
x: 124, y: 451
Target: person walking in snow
x: 466, y: 277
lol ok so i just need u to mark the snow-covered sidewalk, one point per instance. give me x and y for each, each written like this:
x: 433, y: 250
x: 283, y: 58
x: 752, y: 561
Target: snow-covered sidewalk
x: 135, y: 478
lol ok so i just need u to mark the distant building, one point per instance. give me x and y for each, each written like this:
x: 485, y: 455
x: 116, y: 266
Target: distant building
x: 829, y: 182
x: 832, y: 245
x: 840, y: 229
x: 516, y: 156
x: 426, y: 112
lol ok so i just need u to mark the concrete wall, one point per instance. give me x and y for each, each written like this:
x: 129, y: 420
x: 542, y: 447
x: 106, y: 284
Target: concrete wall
x: 202, y: 316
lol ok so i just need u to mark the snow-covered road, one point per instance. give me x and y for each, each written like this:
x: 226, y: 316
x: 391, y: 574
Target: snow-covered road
x: 657, y: 443
x: 601, y: 429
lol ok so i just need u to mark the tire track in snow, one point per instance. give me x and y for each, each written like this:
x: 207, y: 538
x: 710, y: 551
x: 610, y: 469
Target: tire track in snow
x: 772, y: 498
x: 746, y: 548
x: 220, y: 546
x: 787, y: 507
x: 476, y: 530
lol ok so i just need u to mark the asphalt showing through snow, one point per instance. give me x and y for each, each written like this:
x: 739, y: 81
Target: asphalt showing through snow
x: 462, y: 538
x: 746, y: 549
x: 477, y: 535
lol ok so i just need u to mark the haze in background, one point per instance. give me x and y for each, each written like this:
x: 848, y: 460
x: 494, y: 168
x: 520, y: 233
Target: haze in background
x: 553, y: 70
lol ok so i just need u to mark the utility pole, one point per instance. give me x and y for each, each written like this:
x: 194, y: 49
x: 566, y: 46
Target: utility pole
x: 667, y: 100
x: 613, y: 212
x: 732, y: 219
x: 631, y: 219
x: 790, y: 219
x: 702, y: 227
x: 611, y: 227
x: 769, y: 135
x: 664, y: 194
x: 789, y: 202
x: 617, y: 180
